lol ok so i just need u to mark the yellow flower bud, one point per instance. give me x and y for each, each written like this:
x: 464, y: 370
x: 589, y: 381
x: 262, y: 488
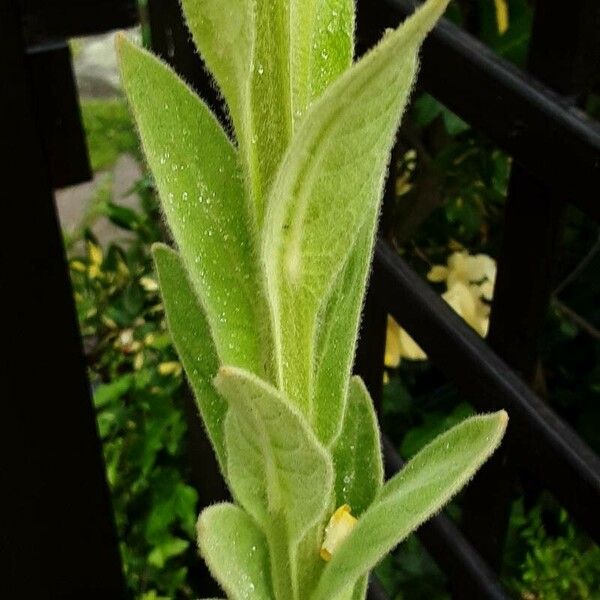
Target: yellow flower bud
x: 338, y: 529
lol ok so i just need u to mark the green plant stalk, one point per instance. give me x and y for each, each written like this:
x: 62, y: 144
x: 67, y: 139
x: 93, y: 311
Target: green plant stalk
x: 263, y: 294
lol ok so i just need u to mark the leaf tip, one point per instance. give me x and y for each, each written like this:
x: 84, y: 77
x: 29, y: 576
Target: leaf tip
x: 502, y: 416
x: 423, y: 20
x: 499, y: 422
x: 501, y: 419
x: 120, y: 38
x: 125, y: 49
x: 122, y: 44
x: 160, y: 248
x: 208, y: 514
x: 224, y: 374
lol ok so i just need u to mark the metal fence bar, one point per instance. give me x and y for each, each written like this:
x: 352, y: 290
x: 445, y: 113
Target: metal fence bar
x: 469, y: 575
x: 58, y: 537
x: 549, y: 138
x: 172, y: 41
x: 57, y: 112
x: 537, y: 439
x: 565, y: 54
x: 532, y: 232
x: 370, y: 351
x: 48, y: 21
x: 534, y: 211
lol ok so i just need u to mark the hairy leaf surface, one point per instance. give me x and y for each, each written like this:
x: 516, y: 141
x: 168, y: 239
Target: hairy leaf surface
x: 322, y: 47
x: 357, y: 454
x: 328, y: 185
x: 360, y: 589
x: 423, y: 486
x: 271, y: 58
x: 337, y: 331
x: 271, y: 91
x: 275, y: 463
x: 277, y: 469
x: 224, y: 33
x: 235, y: 551
x: 192, y: 338
x: 198, y: 177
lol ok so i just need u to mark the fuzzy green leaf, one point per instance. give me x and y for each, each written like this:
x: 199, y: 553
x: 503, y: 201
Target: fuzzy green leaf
x: 191, y: 336
x: 246, y: 45
x: 271, y: 58
x: 360, y: 589
x: 277, y: 469
x: 420, y: 490
x: 198, y: 178
x: 224, y: 32
x: 336, y: 337
x: 271, y: 96
x: 276, y: 464
x: 322, y: 47
x: 328, y: 185
x: 310, y: 565
x: 357, y: 454
x: 235, y: 551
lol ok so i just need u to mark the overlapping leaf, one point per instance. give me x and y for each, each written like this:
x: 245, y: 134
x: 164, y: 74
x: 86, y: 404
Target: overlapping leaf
x: 198, y: 177
x: 328, y: 185
x: 271, y: 58
x: 337, y: 331
x: 192, y: 338
x: 224, y: 32
x: 277, y: 469
x: 235, y: 551
x: 425, y: 484
x: 322, y: 47
x: 357, y: 454
x: 275, y: 463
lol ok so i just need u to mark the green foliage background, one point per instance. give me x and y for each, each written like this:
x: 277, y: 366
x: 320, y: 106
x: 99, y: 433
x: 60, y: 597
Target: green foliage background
x: 450, y: 196
x: 139, y: 397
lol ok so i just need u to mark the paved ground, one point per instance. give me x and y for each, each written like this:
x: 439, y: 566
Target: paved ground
x: 73, y: 203
x: 97, y: 77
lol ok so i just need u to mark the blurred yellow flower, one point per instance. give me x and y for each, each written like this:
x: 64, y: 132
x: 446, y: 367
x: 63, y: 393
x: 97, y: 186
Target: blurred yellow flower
x: 393, y: 352
x: 149, y: 284
x: 170, y: 368
x: 464, y: 268
x: 469, y: 281
x: 502, y: 19
x: 466, y: 301
x: 399, y: 345
x: 95, y: 257
x: 77, y: 265
x: 338, y: 529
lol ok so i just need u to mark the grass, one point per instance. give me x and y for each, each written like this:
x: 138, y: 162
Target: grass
x: 110, y: 131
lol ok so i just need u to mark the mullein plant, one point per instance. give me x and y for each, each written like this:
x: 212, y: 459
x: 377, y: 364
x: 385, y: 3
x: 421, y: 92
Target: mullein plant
x: 274, y: 223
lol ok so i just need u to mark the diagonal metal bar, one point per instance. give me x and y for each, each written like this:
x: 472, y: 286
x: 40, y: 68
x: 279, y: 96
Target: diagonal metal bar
x: 58, y: 537
x: 45, y: 21
x: 551, y: 139
x: 533, y: 219
x: 470, y: 576
x: 537, y: 438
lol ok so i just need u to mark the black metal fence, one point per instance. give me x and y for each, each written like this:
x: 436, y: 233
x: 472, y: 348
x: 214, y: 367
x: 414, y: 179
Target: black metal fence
x: 58, y: 537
